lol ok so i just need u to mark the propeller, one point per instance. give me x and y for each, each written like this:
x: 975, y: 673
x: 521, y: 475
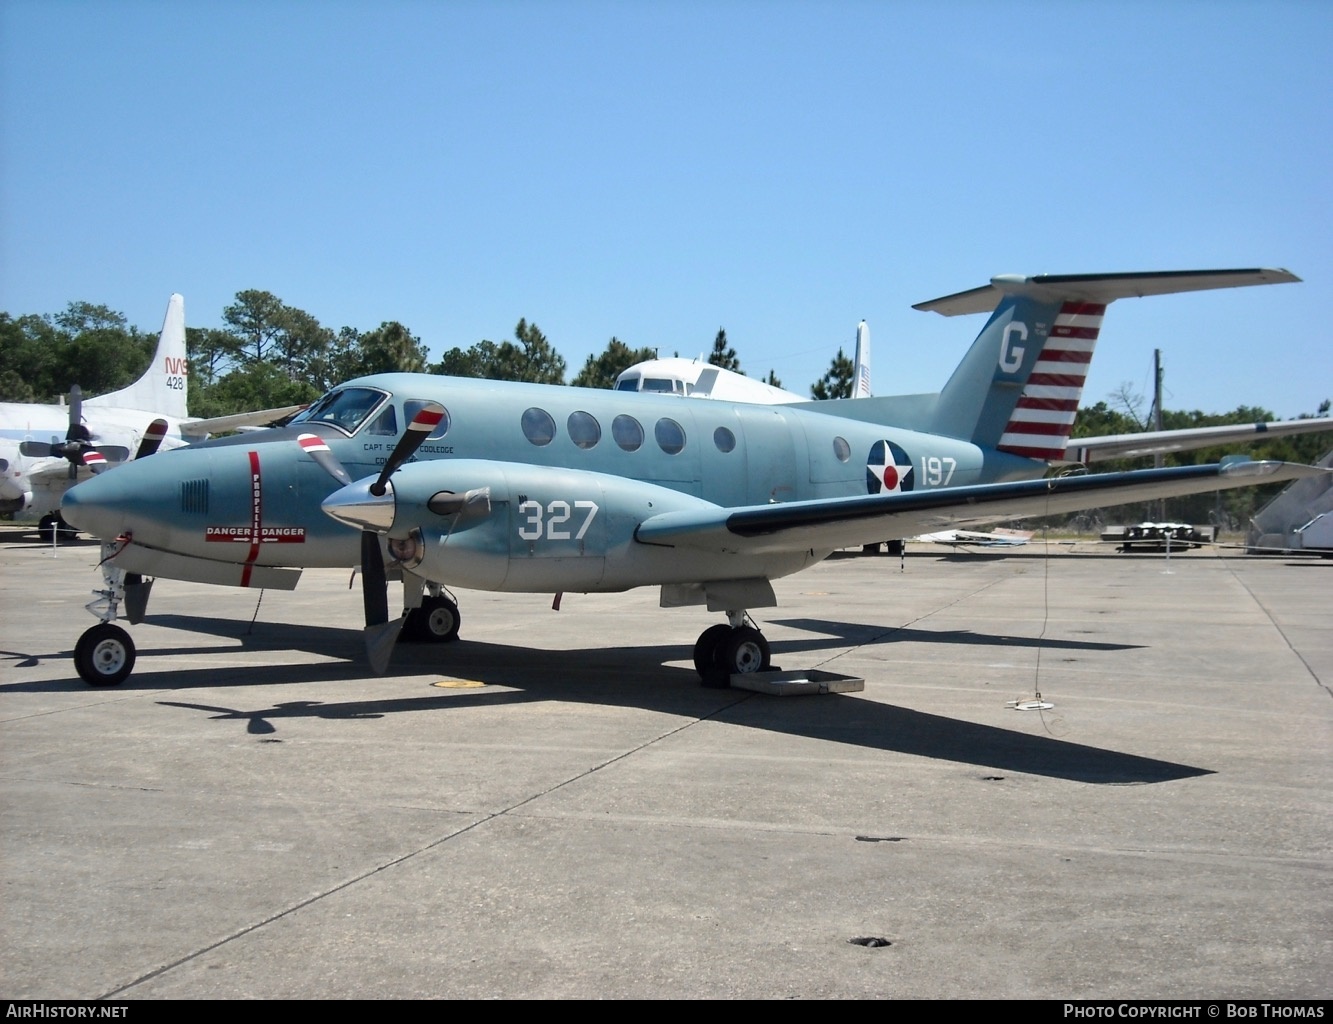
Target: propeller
x: 421, y: 427
x: 77, y: 446
x: 380, y: 633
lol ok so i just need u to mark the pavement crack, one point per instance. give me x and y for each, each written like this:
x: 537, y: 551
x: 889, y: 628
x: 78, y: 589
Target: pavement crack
x: 1280, y: 632
x: 403, y: 858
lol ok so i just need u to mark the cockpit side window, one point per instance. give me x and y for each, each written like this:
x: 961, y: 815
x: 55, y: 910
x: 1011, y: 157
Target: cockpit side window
x: 385, y: 424
x: 630, y: 383
x: 345, y: 408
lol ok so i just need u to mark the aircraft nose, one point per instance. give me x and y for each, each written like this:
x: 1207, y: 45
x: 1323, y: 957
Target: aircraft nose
x: 99, y: 505
x: 356, y: 506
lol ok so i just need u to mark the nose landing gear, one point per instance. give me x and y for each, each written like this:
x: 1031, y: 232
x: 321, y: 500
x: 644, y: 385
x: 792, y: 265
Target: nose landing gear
x: 104, y: 655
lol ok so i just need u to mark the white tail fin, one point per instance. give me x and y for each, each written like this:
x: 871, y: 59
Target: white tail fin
x: 861, y: 387
x: 163, y: 387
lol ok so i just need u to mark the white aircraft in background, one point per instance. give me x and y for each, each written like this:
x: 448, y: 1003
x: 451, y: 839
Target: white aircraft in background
x: 997, y: 538
x: 695, y: 378
x: 46, y: 449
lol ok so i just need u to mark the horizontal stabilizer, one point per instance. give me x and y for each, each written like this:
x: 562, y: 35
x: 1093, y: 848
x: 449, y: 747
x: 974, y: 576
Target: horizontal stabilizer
x: 1101, y: 288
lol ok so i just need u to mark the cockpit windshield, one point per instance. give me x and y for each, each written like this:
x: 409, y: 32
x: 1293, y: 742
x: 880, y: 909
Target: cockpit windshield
x: 344, y: 408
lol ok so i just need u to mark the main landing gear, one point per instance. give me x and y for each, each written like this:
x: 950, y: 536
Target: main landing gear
x: 436, y: 621
x: 733, y: 648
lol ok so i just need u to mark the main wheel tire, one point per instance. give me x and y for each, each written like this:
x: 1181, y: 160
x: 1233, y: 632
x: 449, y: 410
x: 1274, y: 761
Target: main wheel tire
x: 745, y: 651
x: 104, y: 655
x: 708, y: 648
x: 437, y: 620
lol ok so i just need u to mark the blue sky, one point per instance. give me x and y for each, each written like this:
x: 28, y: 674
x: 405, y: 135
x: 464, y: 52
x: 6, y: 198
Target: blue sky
x: 657, y: 170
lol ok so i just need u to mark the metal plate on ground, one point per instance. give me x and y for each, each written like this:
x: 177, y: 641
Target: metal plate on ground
x: 792, y: 684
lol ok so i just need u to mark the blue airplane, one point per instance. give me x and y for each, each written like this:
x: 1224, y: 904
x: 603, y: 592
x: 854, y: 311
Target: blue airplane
x: 532, y: 488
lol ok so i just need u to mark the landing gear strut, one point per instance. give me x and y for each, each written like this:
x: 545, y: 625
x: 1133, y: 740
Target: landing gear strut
x: 731, y: 649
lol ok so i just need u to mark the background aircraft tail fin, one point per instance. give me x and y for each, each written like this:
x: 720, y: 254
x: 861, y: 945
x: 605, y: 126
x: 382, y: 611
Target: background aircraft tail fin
x: 163, y: 387
x: 1018, y: 387
x: 861, y: 385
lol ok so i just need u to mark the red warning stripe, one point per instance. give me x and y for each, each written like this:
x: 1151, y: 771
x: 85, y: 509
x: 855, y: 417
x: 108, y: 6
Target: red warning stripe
x: 1027, y: 427
x: 1083, y: 309
x: 256, y: 517
x: 427, y: 419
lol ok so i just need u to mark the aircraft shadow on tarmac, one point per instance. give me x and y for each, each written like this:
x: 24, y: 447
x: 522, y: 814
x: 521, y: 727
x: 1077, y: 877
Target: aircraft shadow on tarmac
x: 636, y: 677
x: 844, y: 633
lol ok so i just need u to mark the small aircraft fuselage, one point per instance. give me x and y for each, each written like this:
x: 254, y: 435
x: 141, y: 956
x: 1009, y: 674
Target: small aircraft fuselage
x: 568, y: 474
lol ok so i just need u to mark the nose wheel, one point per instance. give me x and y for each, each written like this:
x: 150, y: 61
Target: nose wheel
x: 104, y: 655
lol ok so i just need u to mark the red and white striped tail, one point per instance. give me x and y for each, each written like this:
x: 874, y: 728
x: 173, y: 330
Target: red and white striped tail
x: 1041, y: 422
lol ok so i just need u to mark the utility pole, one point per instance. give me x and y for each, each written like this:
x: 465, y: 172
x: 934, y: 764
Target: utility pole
x: 1157, y: 421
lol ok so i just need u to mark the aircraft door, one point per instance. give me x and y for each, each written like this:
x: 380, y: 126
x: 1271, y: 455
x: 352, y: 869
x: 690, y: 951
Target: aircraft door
x: 770, y: 455
x: 721, y: 455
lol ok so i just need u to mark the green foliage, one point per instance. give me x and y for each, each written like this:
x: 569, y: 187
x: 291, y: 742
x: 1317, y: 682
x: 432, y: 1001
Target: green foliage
x: 478, y: 361
x: 390, y: 348
x: 601, y: 371
x: 772, y: 380
x: 533, y: 359
x: 42, y: 357
x: 261, y: 385
x: 837, y: 382
x: 724, y: 355
x: 210, y: 351
x: 255, y: 320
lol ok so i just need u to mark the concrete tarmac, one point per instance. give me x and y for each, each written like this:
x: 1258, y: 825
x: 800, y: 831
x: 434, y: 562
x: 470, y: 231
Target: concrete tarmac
x: 554, y: 807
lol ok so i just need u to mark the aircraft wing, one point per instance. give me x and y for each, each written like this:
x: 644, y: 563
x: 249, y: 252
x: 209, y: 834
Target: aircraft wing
x: 830, y: 523
x: 196, y: 430
x: 1123, y: 446
x: 50, y: 472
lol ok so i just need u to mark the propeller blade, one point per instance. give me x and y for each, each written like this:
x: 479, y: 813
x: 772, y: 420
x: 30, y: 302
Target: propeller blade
x: 35, y: 449
x: 152, y: 439
x: 76, y: 431
x: 380, y: 634
x: 374, y: 583
x: 319, y: 451
x: 423, y: 423
x: 380, y: 641
x: 93, y: 459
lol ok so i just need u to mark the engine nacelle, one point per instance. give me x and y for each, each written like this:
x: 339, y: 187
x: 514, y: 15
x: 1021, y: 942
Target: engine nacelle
x: 514, y: 527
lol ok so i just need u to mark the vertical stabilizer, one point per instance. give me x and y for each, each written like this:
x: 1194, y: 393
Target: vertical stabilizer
x: 861, y: 388
x: 163, y: 387
x: 1018, y: 387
